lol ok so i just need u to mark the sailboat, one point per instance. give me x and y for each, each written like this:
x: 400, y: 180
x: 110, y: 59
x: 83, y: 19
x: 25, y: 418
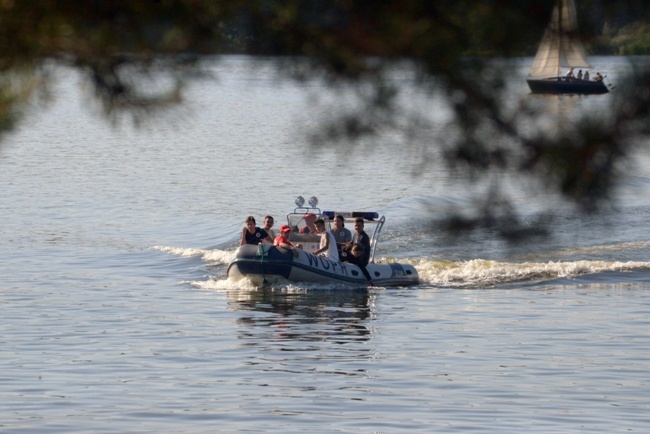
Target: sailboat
x: 561, y: 49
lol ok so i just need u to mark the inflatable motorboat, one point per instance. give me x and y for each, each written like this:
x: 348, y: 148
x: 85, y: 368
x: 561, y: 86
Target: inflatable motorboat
x: 265, y: 264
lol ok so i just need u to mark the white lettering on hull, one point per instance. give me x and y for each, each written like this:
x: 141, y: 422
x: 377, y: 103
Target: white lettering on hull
x: 326, y: 264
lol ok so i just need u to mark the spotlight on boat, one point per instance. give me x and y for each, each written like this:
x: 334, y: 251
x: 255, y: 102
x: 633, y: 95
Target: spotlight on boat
x: 300, y: 201
x: 313, y: 201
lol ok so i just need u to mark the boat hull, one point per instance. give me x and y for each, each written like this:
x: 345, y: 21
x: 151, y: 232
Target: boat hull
x: 270, y: 264
x: 555, y: 86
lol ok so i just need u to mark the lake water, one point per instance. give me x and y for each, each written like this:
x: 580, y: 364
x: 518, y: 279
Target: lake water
x: 117, y: 315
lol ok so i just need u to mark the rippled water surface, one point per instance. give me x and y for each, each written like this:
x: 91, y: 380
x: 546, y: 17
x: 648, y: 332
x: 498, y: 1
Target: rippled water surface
x: 117, y: 315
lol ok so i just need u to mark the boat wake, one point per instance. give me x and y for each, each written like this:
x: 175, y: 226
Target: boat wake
x: 475, y: 273
x: 223, y: 283
x: 212, y: 256
x: 480, y: 273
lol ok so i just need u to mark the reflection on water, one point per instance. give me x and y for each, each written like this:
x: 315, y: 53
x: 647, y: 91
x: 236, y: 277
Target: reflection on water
x: 554, y: 113
x: 300, y: 332
x: 339, y: 316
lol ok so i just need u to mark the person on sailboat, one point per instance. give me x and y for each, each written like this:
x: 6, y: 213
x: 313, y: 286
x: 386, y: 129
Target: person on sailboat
x: 598, y: 77
x: 579, y: 75
x: 569, y: 73
x: 586, y: 76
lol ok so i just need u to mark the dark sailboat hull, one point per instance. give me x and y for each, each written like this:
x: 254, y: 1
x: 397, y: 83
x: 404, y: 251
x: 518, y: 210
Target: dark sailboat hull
x: 563, y: 86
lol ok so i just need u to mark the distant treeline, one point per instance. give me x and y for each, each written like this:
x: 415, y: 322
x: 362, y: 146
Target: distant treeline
x: 620, y: 27
x: 629, y: 40
x: 615, y: 27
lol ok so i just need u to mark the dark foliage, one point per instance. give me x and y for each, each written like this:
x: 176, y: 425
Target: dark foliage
x: 122, y: 44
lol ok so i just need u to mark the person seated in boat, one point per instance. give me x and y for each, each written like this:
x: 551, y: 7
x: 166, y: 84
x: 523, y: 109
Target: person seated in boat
x: 251, y: 234
x: 341, y: 233
x: 579, y: 76
x: 586, y: 76
x: 360, y: 237
x: 569, y: 74
x: 309, y: 227
x: 355, y: 256
x: 282, y: 240
x: 327, y: 242
x: 268, y: 224
x: 598, y: 77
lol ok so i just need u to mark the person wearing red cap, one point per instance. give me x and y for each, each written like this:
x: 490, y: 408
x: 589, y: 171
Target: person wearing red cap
x: 282, y: 240
x: 309, y: 221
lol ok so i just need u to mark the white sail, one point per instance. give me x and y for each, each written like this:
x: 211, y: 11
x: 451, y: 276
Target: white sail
x: 560, y: 47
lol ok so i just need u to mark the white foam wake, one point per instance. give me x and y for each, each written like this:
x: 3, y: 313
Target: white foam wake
x: 212, y: 256
x: 482, y: 273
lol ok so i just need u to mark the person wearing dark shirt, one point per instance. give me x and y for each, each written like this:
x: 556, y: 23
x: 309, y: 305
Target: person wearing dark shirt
x: 251, y: 234
x: 355, y: 256
x: 361, y: 237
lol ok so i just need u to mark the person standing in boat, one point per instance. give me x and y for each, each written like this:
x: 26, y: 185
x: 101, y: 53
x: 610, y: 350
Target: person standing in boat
x: 251, y: 234
x: 580, y: 75
x: 309, y: 221
x: 341, y: 233
x: 360, y: 237
x: 586, y: 76
x: 268, y: 224
x: 327, y: 242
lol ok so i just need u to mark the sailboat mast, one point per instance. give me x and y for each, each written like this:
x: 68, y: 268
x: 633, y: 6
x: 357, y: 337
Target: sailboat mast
x: 560, y: 6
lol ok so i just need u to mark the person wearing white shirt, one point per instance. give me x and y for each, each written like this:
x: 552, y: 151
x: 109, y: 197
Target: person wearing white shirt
x: 327, y: 242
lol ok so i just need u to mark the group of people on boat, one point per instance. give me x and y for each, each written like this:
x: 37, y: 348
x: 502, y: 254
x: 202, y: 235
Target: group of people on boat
x: 570, y: 76
x: 252, y: 234
x: 338, y: 244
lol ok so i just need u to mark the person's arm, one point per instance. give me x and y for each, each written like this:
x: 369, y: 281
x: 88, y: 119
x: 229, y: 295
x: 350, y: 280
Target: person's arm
x: 291, y: 247
x: 266, y: 237
x: 325, y: 247
x: 243, y: 237
x: 286, y: 245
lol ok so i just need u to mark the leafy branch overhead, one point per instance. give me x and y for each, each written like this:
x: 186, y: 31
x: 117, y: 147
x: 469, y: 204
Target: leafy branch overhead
x: 448, y: 47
